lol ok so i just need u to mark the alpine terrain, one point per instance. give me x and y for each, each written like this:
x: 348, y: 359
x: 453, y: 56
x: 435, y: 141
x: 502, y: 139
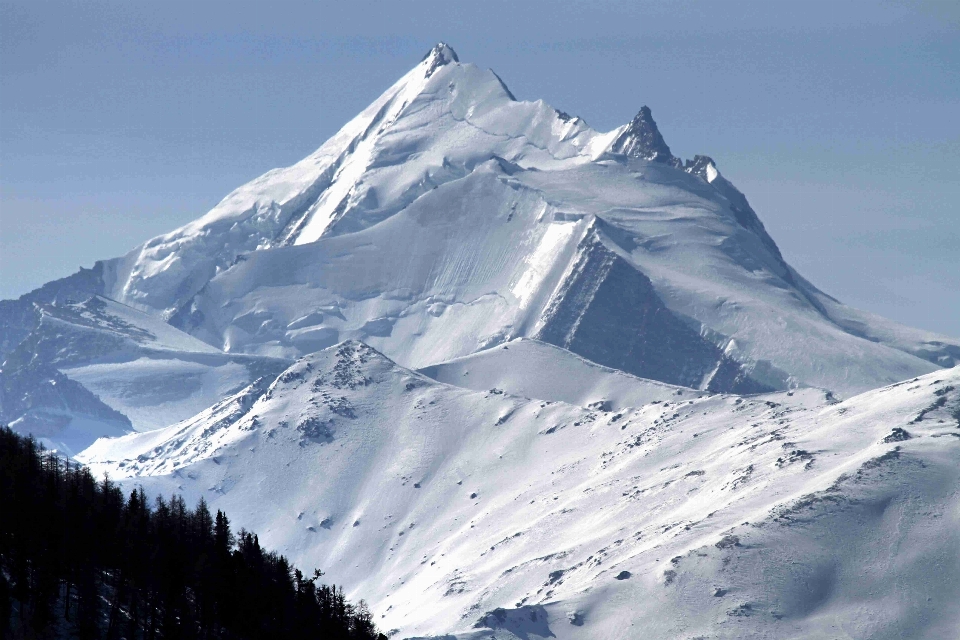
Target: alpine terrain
x: 504, y: 376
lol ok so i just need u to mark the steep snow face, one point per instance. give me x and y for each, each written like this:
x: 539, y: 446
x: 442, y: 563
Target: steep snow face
x: 484, y: 514
x: 635, y: 265
x: 534, y: 369
x: 435, y: 124
x: 447, y: 218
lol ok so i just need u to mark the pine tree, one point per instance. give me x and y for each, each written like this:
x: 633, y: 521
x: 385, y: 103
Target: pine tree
x: 74, y: 553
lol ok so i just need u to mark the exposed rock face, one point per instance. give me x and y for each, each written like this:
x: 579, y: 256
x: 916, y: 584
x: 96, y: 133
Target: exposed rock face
x: 608, y: 311
x: 642, y: 139
x: 442, y: 54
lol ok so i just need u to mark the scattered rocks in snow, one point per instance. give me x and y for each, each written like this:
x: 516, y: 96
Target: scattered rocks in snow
x: 897, y: 435
x: 938, y: 403
x: 728, y: 542
x: 316, y: 428
x: 623, y: 575
x: 796, y: 455
x: 576, y: 618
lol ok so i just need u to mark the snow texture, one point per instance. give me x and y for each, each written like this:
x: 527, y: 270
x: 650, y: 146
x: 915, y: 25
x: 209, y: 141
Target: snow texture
x: 486, y: 514
x: 99, y: 368
x: 448, y: 217
x: 505, y: 376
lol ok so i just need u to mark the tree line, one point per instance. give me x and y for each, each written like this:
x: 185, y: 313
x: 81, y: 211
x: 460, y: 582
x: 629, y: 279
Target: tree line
x: 79, y: 559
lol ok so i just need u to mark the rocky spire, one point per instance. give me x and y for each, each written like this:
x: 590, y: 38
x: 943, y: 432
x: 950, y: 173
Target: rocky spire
x: 441, y: 54
x: 642, y: 139
x: 702, y: 166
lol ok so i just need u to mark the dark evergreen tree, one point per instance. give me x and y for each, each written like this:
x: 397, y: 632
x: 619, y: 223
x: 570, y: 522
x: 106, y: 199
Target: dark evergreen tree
x: 79, y: 560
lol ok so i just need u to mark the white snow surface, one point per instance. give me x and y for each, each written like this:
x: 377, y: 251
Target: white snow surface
x: 157, y: 392
x: 75, y: 433
x: 484, y: 514
x: 139, y: 365
x: 445, y: 218
x: 534, y: 369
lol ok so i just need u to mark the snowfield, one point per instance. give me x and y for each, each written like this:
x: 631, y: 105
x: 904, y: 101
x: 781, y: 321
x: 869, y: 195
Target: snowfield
x: 486, y: 514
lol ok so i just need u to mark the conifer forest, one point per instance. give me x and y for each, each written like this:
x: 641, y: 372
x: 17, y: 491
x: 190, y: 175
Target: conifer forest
x: 79, y: 559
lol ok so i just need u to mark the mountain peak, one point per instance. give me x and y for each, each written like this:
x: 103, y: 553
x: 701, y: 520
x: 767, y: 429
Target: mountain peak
x: 702, y: 166
x: 642, y: 139
x: 441, y: 54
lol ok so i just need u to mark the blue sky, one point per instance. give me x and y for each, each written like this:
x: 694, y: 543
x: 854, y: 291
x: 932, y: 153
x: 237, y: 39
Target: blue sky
x: 839, y: 120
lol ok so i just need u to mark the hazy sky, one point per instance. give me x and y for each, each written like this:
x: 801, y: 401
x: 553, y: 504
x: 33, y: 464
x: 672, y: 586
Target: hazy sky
x: 840, y: 120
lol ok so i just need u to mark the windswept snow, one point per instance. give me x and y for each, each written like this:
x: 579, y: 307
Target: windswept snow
x: 534, y: 369
x: 485, y: 514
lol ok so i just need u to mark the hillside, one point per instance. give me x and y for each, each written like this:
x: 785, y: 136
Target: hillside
x: 771, y: 516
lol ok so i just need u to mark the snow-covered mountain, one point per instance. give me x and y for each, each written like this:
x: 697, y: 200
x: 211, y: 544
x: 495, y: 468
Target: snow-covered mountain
x: 449, y: 217
x: 98, y: 368
x: 477, y: 513
x: 534, y: 369
x: 496, y: 372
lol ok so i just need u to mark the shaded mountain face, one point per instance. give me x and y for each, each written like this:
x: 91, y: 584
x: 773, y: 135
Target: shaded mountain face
x: 609, y: 312
x: 575, y: 457
x: 97, y: 368
x: 446, y: 218
x: 482, y: 514
x: 61, y: 413
x: 641, y: 139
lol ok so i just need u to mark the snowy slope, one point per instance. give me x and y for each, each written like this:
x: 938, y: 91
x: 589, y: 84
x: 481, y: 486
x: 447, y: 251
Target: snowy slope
x: 113, y: 369
x: 534, y: 369
x: 448, y: 217
x: 484, y: 514
x: 298, y: 204
x: 61, y: 413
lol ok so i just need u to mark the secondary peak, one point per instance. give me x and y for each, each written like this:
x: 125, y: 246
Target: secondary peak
x: 642, y: 139
x: 441, y: 54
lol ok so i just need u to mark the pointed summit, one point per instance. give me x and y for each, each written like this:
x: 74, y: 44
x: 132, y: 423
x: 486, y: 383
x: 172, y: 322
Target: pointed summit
x: 642, y: 139
x: 441, y: 54
x: 702, y: 166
